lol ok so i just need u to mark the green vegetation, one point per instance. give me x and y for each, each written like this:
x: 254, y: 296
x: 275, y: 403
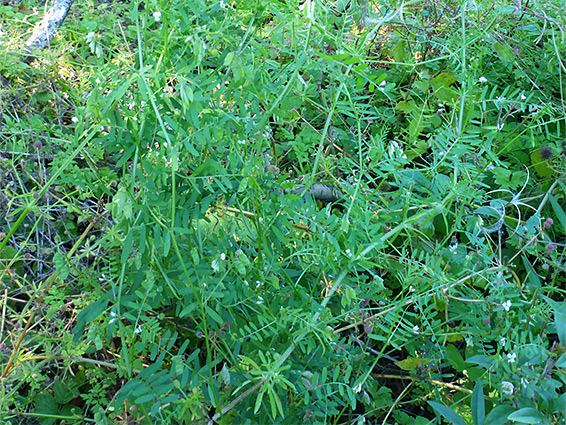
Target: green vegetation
x: 162, y: 260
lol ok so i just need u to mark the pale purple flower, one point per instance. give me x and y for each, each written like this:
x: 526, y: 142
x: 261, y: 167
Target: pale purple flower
x: 507, y: 387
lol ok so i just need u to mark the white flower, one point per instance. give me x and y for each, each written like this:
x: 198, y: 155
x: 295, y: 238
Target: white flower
x: 523, y: 97
x: 507, y: 387
x: 503, y: 341
x: 348, y: 253
x: 97, y: 81
x: 157, y: 16
x: 416, y: 330
x: 383, y: 83
x: 215, y: 266
x: 75, y: 119
x: 482, y: 80
x: 222, y: 256
x: 511, y: 357
x: 395, y: 150
x: 506, y: 305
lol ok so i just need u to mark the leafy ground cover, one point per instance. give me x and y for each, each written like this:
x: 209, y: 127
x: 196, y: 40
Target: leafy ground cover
x: 162, y: 257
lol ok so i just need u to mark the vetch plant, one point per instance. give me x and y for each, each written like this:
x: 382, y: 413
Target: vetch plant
x: 190, y: 271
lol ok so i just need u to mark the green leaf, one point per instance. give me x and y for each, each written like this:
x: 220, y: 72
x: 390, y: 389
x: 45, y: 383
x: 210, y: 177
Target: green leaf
x: 561, y: 362
x: 410, y: 363
x: 399, y: 51
x: 444, y: 79
x: 560, y: 215
x: 406, y: 106
x: 352, y: 60
x: 533, y: 278
x: 121, y: 206
x: 455, y: 358
x: 118, y: 93
x: 336, y: 57
x: 214, y: 315
x: 423, y: 85
x: 540, y: 165
x: 559, y: 404
x: 559, y: 318
x: 228, y: 59
x: 243, y: 184
x: 87, y: 315
x: 527, y: 415
x: 499, y: 415
x: 278, y: 403
x: 225, y: 374
x: 505, y: 52
x: 447, y: 413
x: 478, y: 404
x: 481, y: 360
x: 64, y: 392
x: 45, y: 404
x: 61, y: 265
x: 258, y: 401
x: 272, y: 396
x: 166, y: 243
x: 127, y: 247
x: 70, y: 411
x: 488, y: 211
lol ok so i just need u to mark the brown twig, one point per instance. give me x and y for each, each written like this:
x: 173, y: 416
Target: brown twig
x: 375, y: 316
x: 250, y: 214
x: 8, y: 366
